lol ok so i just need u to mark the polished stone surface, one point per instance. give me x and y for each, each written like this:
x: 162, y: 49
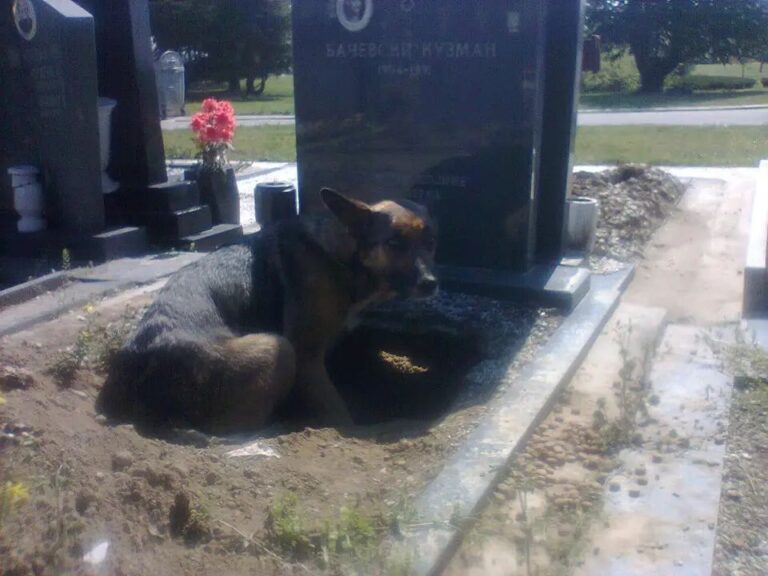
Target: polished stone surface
x: 48, y: 117
x: 439, y: 103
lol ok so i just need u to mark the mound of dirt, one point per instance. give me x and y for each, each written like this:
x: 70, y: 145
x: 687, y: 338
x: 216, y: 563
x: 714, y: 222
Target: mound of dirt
x: 634, y: 201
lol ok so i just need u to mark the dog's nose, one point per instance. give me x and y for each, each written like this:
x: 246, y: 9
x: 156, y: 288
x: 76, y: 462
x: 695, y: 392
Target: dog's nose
x: 427, y: 285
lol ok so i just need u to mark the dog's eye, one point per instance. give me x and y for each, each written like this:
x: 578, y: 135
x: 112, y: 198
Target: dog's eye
x: 397, y: 243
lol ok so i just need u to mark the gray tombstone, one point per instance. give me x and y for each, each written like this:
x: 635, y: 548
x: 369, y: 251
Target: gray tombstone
x: 170, y: 84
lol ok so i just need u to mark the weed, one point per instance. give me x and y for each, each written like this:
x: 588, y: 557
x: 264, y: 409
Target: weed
x: 350, y: 536
x: 743, y: 358
x: 66, y: 259
x: 13, y: 495
x: 286, y: 527
x: 95, y: 347
x: 631, y: 388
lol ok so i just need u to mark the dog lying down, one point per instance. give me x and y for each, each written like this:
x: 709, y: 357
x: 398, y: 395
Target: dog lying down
x: 231, y: 336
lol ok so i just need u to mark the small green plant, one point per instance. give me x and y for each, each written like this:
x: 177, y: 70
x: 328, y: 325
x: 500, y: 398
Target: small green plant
x: 350, y: 536
x: 286, y: 527
x: 95, y: 347
x: 66, y: 259
x: 13, y: 495
x: 631, y: 390
x: 743, y: 358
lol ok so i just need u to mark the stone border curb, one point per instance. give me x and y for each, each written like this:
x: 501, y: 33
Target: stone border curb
x: 755, y: 304
x: 462, y: 487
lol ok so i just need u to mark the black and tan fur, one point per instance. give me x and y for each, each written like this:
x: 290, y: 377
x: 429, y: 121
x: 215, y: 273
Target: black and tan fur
x: 229, y: 337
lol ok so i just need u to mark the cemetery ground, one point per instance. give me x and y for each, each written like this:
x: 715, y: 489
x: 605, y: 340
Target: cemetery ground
x: 656, y: 145
x: 308, y: 501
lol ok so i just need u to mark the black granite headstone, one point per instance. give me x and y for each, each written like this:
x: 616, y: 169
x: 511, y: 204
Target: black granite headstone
x: 563, y: 62
x: 439, y: 101
x: 127, y: 75
x: 48, y: 111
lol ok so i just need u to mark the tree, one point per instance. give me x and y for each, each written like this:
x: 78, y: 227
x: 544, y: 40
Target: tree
x: 663, y: 34
x: 226, y: 40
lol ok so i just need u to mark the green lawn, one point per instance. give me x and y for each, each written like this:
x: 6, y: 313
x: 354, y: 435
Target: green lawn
x: 660, y: 145
x: 278, y: 95
x: 262, y: 143
x: 276, y: 99
x: 672, y: 145
x: 625, y: 66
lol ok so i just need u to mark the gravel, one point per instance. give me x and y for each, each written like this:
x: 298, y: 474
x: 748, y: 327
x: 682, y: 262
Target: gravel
x: 634, y: 201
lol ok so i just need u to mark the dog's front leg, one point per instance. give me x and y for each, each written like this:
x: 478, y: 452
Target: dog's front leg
x: 318, y: 392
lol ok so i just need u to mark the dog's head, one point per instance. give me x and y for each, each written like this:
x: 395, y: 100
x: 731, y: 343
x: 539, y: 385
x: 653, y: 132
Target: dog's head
x: 396, y: 242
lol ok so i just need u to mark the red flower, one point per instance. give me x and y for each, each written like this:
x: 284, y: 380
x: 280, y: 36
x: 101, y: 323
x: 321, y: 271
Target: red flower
x: 209, y: 105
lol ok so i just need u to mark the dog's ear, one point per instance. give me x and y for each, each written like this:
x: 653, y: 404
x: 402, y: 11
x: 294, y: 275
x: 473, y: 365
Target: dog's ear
x: 355, y: 215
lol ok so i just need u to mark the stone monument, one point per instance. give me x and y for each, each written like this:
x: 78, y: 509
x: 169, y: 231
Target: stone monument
x: 465, y: 107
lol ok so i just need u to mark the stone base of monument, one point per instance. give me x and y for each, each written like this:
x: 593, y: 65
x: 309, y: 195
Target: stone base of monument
x: 545, y: 285
x: 173, y: 214
x: 50, y: 245
x: 213, y: 238
x: 169, y: 227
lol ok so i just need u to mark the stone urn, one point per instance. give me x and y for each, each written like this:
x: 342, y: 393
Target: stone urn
x: 28, y: 199
x: 106, y: 106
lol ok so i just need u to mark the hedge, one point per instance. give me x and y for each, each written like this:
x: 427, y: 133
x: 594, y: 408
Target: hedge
x: 699, y: 82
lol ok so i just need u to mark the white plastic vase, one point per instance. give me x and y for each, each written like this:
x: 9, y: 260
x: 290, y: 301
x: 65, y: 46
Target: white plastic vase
x: 106, y: 106
x: 28, y: 202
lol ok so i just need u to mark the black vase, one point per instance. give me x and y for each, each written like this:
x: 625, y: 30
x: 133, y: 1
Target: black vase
x: 218, y: 189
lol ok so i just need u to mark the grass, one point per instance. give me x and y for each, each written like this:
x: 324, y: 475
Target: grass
x: 672, y: 145
x: 659, y: 145
x: 261, y: 143
x: 626, y: 66
x: 278, y: 95
x: 276, y: 99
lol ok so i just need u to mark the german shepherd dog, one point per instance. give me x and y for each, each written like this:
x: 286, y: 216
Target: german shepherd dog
x: 230, y: 336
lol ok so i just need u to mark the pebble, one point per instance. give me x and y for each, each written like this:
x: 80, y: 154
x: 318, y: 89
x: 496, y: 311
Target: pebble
x: 634, y: 493
x: 100, y: 418
x: 614, y: 486
x: 121, y: 460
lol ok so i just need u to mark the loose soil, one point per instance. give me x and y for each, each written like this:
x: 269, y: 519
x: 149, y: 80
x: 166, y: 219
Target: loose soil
x: 180, y: 505
x: 742, y: 543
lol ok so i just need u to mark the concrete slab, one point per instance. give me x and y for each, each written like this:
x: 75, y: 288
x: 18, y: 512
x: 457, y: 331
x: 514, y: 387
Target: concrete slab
x: 557, y: 286
x: 694, y: 264
x: 493, y: 554
x: 84, y: 285
x: 461, y: 488
x: 667, y: 526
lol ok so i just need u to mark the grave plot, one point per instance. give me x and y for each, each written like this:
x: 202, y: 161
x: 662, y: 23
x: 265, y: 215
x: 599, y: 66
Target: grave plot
x: 292, y: 499
x: 315, y: 497
x: 623, y: 476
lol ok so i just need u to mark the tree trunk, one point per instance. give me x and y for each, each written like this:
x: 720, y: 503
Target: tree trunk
x: 653, y: 71
x: 254, y: 90
x: 234, y: 86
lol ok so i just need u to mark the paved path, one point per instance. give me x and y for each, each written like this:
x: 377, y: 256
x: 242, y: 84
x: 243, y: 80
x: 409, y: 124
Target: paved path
x: 748, y: 116
x: 725, y: 116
